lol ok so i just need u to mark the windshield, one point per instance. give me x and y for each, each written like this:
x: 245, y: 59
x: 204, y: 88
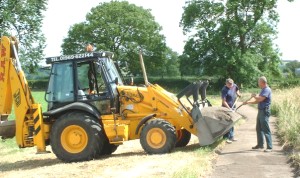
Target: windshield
x: 112, y: 71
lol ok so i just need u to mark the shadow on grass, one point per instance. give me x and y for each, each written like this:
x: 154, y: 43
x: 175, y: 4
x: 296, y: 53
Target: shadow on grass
x: 27, y: 164
x: 126, y: 154
x: 189, y: 148
x: 196, y: 146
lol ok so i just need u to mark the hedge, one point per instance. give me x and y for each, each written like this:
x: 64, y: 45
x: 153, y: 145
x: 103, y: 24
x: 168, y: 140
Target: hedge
x: 38, y: 84
x: 176, y: 84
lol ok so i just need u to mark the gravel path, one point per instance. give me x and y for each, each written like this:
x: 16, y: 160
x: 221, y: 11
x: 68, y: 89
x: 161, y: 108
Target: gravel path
x: 239, y: 160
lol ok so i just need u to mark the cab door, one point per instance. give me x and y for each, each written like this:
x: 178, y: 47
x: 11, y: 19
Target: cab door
x: 61, y: 85
x: 92, y: 86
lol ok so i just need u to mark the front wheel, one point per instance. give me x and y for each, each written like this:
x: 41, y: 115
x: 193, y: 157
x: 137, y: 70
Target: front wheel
x: 76, y: 136
x: 158, y: 136
x: 183, y: 138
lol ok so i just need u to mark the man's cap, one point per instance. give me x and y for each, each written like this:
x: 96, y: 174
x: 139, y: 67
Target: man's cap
x: 229, y: 80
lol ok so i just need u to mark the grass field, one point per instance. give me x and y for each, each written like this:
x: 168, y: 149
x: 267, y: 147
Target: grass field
x: 39, y: 98
x: 286, y: 107
x: 129, y: 160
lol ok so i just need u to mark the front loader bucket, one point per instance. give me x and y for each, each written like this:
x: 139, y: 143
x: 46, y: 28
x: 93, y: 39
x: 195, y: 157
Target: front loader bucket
x: 213, y: 122
x: 210, y: 122
x: 7, y: 129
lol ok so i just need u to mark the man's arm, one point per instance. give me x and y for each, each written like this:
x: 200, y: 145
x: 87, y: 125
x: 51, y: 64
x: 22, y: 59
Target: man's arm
x: 238, y: 93
x: 224, y: 103
x: 223, y: 96
x: 255, y: 99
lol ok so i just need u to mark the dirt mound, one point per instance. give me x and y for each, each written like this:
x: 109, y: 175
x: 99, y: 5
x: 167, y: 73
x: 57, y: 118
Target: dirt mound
x: 220, y: 113
x: 215, y: 122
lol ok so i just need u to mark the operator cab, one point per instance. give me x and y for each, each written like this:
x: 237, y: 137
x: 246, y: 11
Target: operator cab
x: 90, y: 78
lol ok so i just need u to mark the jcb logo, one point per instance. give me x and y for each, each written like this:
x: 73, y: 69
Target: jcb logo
x: 17, y: 98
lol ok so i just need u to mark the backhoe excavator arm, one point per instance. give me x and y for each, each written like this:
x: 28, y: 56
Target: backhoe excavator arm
x: 16, y: 92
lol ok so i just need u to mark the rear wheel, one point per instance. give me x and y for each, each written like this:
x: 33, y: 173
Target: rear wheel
x: 158, y: 136
x: 183, y: 138
x: 76, y: 137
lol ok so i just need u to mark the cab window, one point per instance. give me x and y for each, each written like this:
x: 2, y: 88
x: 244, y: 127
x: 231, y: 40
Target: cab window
x: 90, y: 82
x: 61, y: 85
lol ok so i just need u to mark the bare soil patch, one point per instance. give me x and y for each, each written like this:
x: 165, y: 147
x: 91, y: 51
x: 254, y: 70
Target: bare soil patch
x: 129, y: 160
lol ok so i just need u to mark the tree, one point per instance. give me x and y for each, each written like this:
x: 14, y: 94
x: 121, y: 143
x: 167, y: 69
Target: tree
x: 172, y: 63
x: 24, y: 20
x: 170, y: 66
x: 292, y: 66
x: 232, y: 38
x: 121, y: 28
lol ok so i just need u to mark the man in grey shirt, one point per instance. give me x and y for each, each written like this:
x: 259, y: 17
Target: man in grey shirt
x: 262, y: 124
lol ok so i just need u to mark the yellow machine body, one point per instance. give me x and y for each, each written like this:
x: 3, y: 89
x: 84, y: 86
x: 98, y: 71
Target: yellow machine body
x: 148, y: 112
x: 139, y: 102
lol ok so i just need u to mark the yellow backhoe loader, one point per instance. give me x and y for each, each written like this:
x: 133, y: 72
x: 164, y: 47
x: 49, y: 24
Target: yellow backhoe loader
x: 91, y: 111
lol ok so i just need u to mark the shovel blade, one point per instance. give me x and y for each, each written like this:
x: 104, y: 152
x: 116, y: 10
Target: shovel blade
x: 213, y: 122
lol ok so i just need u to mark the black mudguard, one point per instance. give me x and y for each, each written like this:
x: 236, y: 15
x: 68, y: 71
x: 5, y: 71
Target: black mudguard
x: 74, y: 106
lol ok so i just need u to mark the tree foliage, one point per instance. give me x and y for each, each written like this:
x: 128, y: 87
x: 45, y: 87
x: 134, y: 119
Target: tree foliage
x: 170, y: 66
x: 121, y: 28
x: 291, y: 67
x: 232, y: 38
x: 23, y: 19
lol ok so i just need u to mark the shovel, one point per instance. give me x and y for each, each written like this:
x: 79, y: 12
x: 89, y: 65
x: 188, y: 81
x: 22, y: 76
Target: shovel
x: 243, y: 103
x: 236, y: 100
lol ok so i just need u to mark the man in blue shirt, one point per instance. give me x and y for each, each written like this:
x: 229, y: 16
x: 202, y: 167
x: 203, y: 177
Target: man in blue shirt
x: 229, y: 94
x: 262, y: 124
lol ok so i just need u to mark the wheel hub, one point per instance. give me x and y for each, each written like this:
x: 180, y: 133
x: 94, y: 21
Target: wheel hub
x: 74, y: 139
x: 156, y: 138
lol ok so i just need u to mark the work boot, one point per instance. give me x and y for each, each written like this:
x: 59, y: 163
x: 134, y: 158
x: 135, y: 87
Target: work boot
x: 234, y: 139
x: 257, y: 147
x: 228, y: 141
x: 268, y: 150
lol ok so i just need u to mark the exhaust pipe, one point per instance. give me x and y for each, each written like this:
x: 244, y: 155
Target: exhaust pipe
x: 143, y: 68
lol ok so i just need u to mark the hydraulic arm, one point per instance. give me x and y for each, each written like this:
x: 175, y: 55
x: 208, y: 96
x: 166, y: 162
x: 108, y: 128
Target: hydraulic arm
x: 16, y: 92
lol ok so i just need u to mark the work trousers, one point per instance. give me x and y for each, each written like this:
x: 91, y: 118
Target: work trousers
x: 263, y: 128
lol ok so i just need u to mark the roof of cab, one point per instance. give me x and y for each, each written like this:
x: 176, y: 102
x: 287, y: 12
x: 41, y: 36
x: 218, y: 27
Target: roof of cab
x: 50, y: 60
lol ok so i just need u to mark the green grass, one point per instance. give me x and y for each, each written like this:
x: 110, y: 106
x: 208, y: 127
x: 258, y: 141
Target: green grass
x: 286, y: 107
x: 39, y: 98
x: 203, y: 156
x: 215, y: 100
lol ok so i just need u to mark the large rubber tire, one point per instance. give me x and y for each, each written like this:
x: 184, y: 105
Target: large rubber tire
x: 183, y: 138
x: 108, y: 148
x: 76, y: 136
x: 158, y: 136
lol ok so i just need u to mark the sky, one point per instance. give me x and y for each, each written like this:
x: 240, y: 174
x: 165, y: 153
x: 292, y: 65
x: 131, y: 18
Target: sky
x: 61, y: 14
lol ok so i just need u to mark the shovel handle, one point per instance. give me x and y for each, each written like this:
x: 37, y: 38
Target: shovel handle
x: 243, y: 103
x: 237, y: 98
